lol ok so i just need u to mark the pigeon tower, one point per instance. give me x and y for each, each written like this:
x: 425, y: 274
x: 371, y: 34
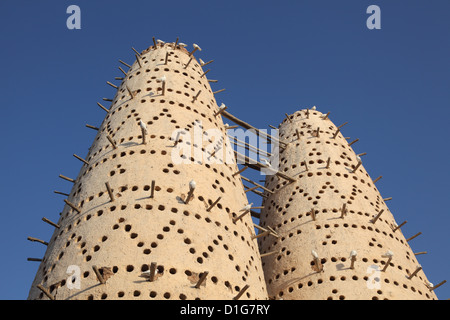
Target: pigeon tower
x: 337, y: 238
x: 144, y: 218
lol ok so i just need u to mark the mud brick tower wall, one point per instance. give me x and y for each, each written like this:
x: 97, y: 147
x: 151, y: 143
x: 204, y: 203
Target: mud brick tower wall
x: 144, y: 225
x: 312, y: 256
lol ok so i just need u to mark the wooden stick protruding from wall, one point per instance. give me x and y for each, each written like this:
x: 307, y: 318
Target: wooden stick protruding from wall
x: 45, y: 291
x: 110, y: 192
x: 201, y: 279
x: 51, y: 222
x: 37, y: 240
x: 213, y: 204
x: 99, y: 275
x: 74, y: 207
x: 241, y: 292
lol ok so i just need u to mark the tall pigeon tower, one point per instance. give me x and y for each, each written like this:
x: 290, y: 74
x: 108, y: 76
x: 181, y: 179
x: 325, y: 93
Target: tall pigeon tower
x: 150, y: 214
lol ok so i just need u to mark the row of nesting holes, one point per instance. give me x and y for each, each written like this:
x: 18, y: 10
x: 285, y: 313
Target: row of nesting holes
x: 295, y: 137
x: 334, y: 210
x: 319, y: 173
x: 147, y: 188
x: 343, y: 259
x: 155, y: 118
x: 304, y: 125
x: 187, y: 241
x: 315, y: 200
x: 343, y: 156
x: 142, y: 151
x: 122, y: 154
x: 168, y: 295
x: 312, y: 131
x: 321, y: 191
x: 278, y: 208
x: 121, y: 170
x: 154, y: 244
x: 123, y: 89
x: 152, y: 294
x: 336, y: 225
x: 134, y: 235
x: 162, y: 101
x: 191, y: 126
x: 321, y: 161
x: 194, y: 66
x: 345, y: 147
x: 175, y: 71
x: 299, y: 114
x: 149, y: 89
x: 355, y: 278
x: 128, y: 228
x: 133, y: 113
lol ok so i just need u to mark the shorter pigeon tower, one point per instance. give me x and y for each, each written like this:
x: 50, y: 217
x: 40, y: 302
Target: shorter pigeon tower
x: 337, y: 238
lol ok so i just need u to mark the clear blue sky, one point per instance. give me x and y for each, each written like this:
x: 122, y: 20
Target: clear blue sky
x: 391, y: 85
